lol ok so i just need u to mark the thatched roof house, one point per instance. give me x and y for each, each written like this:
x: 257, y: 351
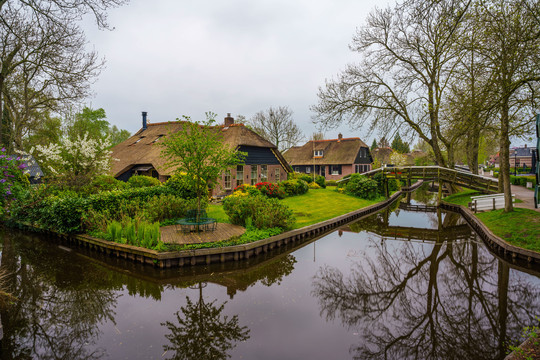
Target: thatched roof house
x: 140, y: 155
x: 332, y: 158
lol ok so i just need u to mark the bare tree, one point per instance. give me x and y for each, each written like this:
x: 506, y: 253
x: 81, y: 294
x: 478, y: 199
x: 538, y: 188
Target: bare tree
x: 409, y: 58
x: 277, y: 126
x: 44, y: 61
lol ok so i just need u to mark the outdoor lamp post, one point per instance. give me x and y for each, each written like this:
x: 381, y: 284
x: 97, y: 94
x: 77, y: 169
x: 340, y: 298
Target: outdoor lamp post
x: 515, y: 162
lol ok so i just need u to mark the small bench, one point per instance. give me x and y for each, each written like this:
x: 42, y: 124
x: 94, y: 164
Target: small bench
x: 190, y: 222
x: 488, y: 202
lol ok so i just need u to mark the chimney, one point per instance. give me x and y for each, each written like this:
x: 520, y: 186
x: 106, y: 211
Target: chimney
x: 339, y: 137
x: 144, y: 125
x: 229, y: 120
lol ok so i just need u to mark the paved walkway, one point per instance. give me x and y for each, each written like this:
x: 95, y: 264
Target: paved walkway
x: 523, y: 194
x: 172, y: 234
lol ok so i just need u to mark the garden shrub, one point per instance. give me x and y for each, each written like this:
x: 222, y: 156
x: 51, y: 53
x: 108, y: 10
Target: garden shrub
x: 314, y: 185
x: 294, y: 187
x: 393, y: 184
x: 331, y: 183
x: 63, y: 215
x: 300, y: 176
x: 111, y: 200
x: 138, y: 181
x: 321, y: 181
x: 271, y: 190
x: 104, y: 183
x: 183, y: 187
x: 264, y: 212
x: 246, y: 189
x: 362, y: 186
x: 167, y: 206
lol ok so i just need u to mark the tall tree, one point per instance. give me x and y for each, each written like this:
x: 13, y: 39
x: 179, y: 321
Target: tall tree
x: 510, y: 50
x: 277, y: 126
x: 399, y: 146
x: 374, y: 145
x: 408, y: 57
x: 44, y: 58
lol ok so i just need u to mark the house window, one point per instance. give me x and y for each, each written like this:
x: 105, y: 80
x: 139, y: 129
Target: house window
x: 264, y: 173
x: 159, y: 137
x: 336, y: 170
x: 227, y: 178
x: 239, y: 175
x: 297, y: 169
x: 142, y: 137
x: 317, y: 153
x: 308, y: 170
x: 254, y: 174
x: 277, y: 175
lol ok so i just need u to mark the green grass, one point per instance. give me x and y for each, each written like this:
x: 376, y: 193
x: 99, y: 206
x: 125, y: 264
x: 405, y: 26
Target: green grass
x: 216, y: 211
x: 462, y: 198
x: 323, y: 204
x: 520, y: 227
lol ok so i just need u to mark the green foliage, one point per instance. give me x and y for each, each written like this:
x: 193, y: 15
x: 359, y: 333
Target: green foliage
x: 263, y: 211
x: 530, y: 333
x: 374, y: 145
x: 393, y: 184
x: 300, y: 176
x: 111, y: 201
x: 331, y: 183
x: 294, y: 187
x: 183, y: 186
x: 168, y: 206
x: 362, y: 186
x: 247, y: 189
x: 63, y: 215
x: 314, y: 185
x: 399, y: 146
x: 321, y: 181
x: 104, y: 183
x: 138, y: 181
x: 12, y: 179
x: 148, y: 234
x: 114, y: 232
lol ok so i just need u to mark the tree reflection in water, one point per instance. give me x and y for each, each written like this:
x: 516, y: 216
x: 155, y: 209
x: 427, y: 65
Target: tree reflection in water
x: 57, y: 306
x: 428, y: 301
x: 202, y: 332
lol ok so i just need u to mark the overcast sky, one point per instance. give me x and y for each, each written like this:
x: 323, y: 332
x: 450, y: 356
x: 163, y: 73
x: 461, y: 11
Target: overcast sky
x: 173, y: 58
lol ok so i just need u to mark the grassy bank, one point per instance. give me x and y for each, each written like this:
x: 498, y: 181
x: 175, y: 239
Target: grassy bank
x: 323, y: 204
x: 313, y: 207
x: 520, y: 227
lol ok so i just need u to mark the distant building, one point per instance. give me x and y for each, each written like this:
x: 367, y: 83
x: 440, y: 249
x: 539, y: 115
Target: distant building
x: 521, y: 157
x: 382, y: 154
x: 139, y: 155
x: 332, y: 159
x: 494, y: 160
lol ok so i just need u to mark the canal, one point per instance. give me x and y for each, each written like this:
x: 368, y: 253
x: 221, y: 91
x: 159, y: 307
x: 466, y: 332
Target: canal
x: 406, y: 283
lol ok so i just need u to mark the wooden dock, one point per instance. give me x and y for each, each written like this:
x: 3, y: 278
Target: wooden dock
x: 172, y: 234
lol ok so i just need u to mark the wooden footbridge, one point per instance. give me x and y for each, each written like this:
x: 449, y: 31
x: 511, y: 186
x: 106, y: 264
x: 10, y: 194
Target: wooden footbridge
x: 440, y: 175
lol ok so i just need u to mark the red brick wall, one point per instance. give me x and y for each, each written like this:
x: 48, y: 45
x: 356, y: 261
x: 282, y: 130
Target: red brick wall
x: 220, y: 189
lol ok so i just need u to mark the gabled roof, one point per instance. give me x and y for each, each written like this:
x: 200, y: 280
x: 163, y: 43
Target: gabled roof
x: 142, y: 148
x: 335, y: 152
x: 521, y: 152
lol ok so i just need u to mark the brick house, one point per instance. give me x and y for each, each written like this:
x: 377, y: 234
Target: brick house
x: 522, y: 156
x: 139, y: 155
x: 332, y: 159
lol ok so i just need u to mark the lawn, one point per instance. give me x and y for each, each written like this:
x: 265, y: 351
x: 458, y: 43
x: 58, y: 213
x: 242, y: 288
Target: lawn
x: 520, y: 227
x: 322, y: 204
x: 313, y: 207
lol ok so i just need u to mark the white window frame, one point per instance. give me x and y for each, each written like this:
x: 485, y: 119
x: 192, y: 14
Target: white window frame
x: 227, y: 179
x: 318, y: 153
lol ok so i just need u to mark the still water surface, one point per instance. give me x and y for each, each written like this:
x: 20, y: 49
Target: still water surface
x: 401, y: 284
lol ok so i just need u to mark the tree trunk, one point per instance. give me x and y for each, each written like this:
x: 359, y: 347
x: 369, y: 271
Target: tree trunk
x: 504, y: 159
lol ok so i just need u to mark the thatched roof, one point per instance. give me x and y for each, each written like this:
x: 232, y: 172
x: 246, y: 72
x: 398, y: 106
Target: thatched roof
x: 142, y: 148
x: 382, y: 154
x: 335, y: 152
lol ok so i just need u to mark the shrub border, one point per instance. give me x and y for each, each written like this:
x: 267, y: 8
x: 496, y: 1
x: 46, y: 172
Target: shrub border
x: 207, y: 256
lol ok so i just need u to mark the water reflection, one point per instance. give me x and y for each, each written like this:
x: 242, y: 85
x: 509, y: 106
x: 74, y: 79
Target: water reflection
x: 444, y: 299
x: 203, y: 332
x: 56, y: 312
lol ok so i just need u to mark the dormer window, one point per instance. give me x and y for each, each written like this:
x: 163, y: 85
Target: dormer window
x: 159, y: 137
x: 142, y: 137
x: 317, y: 153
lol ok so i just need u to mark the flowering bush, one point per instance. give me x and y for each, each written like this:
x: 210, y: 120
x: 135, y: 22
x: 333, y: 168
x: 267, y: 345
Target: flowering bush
x: 314, y: 185
x: 246, y: 189
x: 271, y: 190
x: 74, y: 162
x: 12, y: 178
